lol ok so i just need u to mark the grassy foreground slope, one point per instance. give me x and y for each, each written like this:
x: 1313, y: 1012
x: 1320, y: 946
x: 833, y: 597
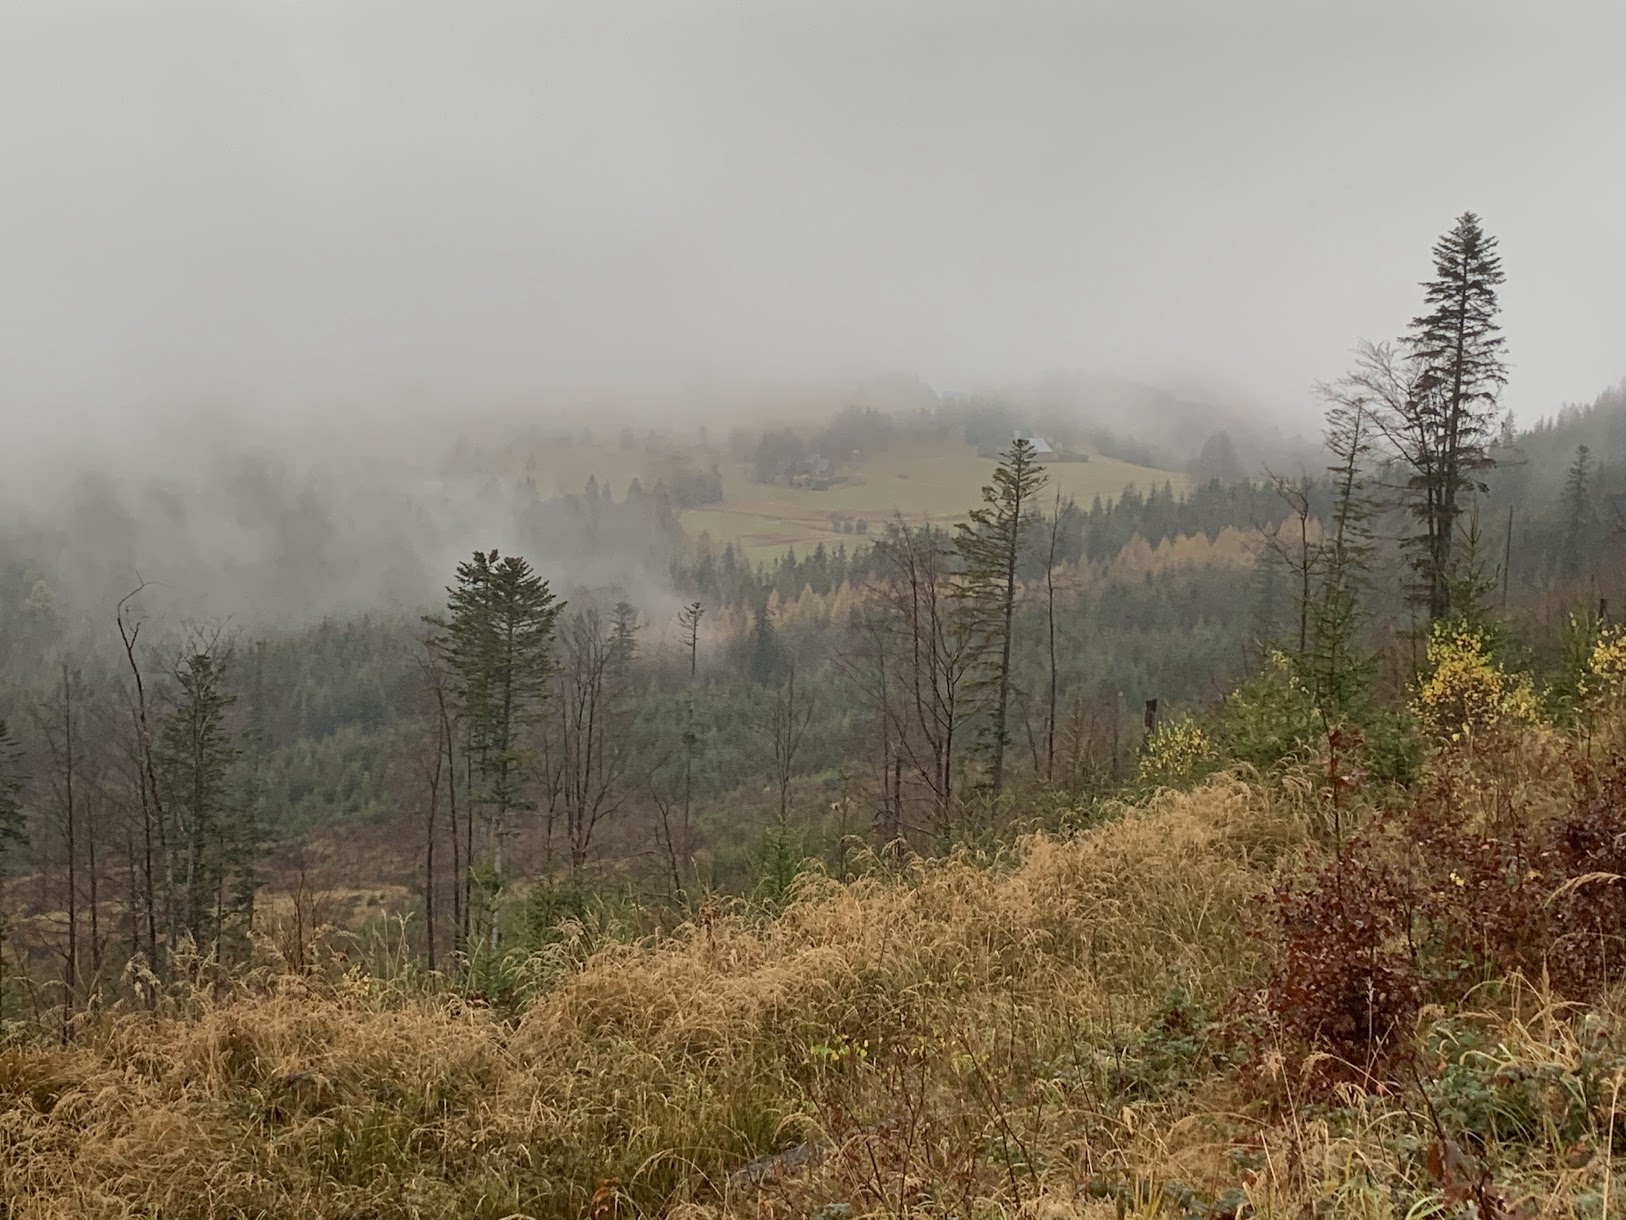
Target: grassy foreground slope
x: 1066, y: 1030
x: 886, y: 1032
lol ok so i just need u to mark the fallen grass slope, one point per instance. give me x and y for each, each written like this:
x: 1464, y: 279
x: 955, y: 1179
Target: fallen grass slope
x: 645, y: 1077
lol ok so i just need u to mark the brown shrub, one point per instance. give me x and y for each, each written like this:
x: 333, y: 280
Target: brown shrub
x: 1427, y: 905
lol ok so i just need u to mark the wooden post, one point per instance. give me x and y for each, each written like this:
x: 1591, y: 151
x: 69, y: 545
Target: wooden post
x: 1151, y: 716
x: 897, y: 798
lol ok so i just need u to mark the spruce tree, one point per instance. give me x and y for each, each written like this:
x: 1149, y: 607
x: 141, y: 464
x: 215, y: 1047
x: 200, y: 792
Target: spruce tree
x: 194, y: 758
x: 1472, y: 579
x: 990, y: 546
x: 1456, y: 350
x: 764, y: 659
x: 689, y: 621
x: 1577, y: 510
x: 497, y: 636
x: 624, y: 635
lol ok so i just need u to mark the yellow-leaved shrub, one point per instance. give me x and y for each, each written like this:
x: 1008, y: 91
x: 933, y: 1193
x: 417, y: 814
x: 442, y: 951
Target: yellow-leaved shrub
x: 1466, y: 692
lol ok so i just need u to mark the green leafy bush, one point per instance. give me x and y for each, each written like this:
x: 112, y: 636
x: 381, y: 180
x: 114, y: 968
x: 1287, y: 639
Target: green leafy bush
x: 1271, y: 716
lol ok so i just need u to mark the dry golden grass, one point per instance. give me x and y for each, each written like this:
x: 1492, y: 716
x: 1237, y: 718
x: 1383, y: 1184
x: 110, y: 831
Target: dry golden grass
x: 962, y: 1037
x: 665, y: 1067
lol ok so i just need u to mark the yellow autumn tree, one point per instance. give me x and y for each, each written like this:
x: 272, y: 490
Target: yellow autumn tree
x: 1602, y: 687
x: 1465, y: 692
x: 1176, y: 753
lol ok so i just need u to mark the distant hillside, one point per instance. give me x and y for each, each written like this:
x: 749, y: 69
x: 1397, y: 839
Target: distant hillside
x: 1548, y: 447
x: 924, y: 478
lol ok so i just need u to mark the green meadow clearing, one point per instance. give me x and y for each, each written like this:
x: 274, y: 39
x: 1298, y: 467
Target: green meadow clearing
x: 937, y: 482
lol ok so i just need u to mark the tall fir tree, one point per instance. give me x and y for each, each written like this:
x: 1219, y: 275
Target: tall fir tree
x: 497, y: 636
x: 990, y: 548
x: 195, y: 757
x: 1456, y: 349
x: 764, y: 656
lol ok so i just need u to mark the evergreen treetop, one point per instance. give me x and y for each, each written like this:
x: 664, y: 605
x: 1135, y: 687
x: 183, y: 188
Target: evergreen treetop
x: 990, y: 547
x: 1458, y: 339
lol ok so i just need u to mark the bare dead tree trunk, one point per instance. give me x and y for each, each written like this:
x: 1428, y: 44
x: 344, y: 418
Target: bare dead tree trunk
x: 1050, y: 625
x: 457, y: 850
x: 1300, y: 560
x: 595, y: 738
x: 935, y: 652
x: 66, y: 762
x: 442, y: 771
x: 787, y: 724
x: 93, y: 885
x: 70, y: 968
x: 134, y: 889
x: 220, y: 898
x: 149, y: 902
x: 1304, y: 571
x: 429, y: 859
x: 690, y: 741
x: 674, y: 840
x: 59, y: 724
x: 690, y: 620
x: 1507, y: 557
x: 865, y: 665
x: 151, y: 798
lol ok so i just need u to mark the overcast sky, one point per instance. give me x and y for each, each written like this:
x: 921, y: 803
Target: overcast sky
x: 325, y: 201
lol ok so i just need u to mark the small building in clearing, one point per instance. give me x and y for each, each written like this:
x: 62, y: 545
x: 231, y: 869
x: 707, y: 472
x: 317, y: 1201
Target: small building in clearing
x: 1044, y: 449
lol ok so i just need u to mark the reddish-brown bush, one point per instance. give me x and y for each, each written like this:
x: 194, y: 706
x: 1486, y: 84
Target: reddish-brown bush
x: 1347, y: 980
x: 1421, y: 909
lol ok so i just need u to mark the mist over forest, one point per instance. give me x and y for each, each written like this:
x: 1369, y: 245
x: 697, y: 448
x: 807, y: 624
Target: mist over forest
x: 346, y: 242
x: 649, y: 609
x: 263, y: 528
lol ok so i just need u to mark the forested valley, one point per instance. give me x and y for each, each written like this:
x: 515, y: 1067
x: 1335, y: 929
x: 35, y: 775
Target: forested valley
x: 536, y: 774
